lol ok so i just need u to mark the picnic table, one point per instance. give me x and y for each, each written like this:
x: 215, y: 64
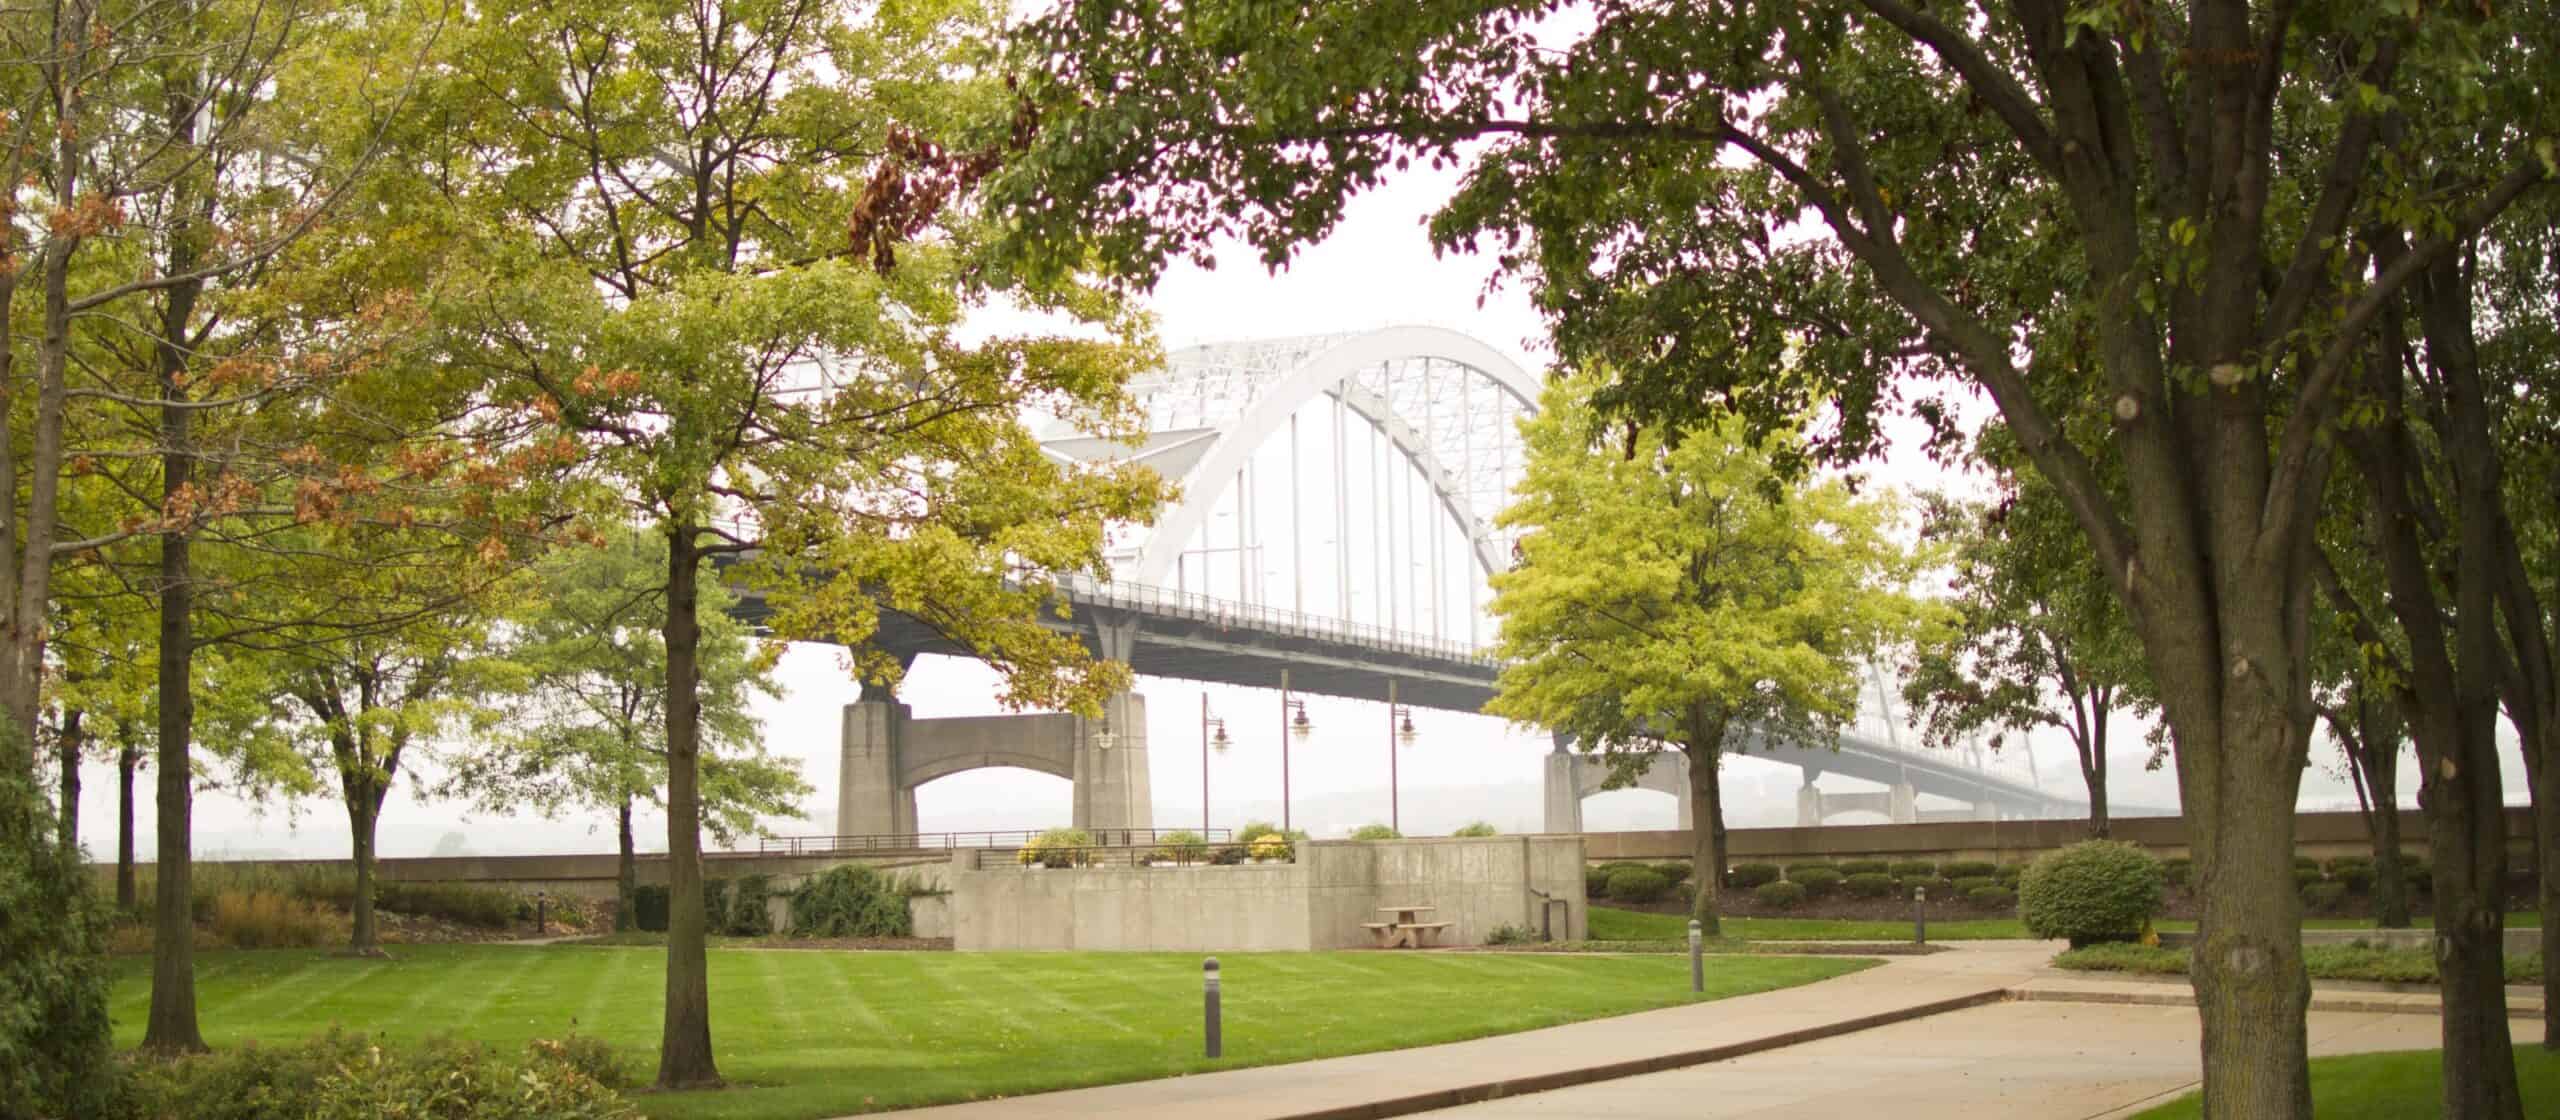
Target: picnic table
x: 1408, y: 930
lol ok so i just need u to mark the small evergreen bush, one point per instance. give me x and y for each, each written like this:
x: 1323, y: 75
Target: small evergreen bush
x: 1940, y: 889
x: 851, y: 901
x: 1476, y: 830
x: 1914, y: 869
x: 1595, y: 883
x: 1818, y: 882
x: 715, y: 905
x: 748, y: 915
x: 1511, y: 935
x: 1060, y: 847
x: 54, y: 1035
x: 649, y: 908
x: 2323, y: 897
x: 1992, y: 897
x: 1674, y: 871
x: 1868, y: 884
x: 1638, y: 885
x: 1810, y: 865
x: 1968, y: 883
x: 2177, y: 872
x: 2092, y: 891
x: 1751, y: 876
x: 1782, y: 895
x: 349, y: 1077
x: 1183, y: 846
x: 2305, y: 876
x: 1376, y: 832
x: 1857, y: 867
x: 1962, y: 870
x: 1227, y: 855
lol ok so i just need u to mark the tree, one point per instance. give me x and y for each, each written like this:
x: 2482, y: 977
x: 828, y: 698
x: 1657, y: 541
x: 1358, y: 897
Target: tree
x: 727, y: 252
x: 2173, y: 181
x: 585, y: 723
x: 1684, y: 587
x: 2365, y: 723
x: 2038, y: 641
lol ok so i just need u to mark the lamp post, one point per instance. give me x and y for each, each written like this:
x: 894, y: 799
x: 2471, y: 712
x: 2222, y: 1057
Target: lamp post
x: 1208, y: 721
x: 1293, y: 724
x: 1400, y: 733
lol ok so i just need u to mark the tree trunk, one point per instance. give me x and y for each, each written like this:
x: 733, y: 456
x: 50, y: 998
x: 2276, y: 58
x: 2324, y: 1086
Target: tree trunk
x: 626, y: 875
x: 69, y: 819
x: 171, y: 1028
x: 2093, y: 772
x: 2251, y: 989
x: 684, y: 1051
x: 2378, y: 763
x: 2466, y: 830
x: 364, y: 815
x: 1706, y: 811
x: 2546, y: 846
x: 128, y: 757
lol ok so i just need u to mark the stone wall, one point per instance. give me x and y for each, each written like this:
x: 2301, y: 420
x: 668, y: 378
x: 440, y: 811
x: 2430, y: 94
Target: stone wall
x: 589, y: 876
x: 2318, y: 835
x: 1317, y: 902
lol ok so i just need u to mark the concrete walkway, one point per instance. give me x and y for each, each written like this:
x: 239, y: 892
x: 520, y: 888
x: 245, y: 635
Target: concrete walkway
x: 1399, y: 1082
x: 2014, y: 1061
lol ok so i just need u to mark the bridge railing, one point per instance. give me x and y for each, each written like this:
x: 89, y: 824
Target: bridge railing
x: 943, y: 841
x: 1216, y: 853
x: 1140, y: 596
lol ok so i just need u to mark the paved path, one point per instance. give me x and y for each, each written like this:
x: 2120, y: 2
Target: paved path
x: 1398, y: 1082
x: 2013, y: 1061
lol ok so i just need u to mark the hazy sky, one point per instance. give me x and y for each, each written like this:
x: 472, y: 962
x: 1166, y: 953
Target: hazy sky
x: 1377, y: 270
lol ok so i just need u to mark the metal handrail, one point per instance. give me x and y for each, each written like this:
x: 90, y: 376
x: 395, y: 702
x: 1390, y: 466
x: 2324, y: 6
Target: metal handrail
x: 1214, y: 852
x: 1120, y: 593
x: 945, y: 841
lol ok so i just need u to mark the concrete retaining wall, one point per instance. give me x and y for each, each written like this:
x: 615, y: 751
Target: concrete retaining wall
x: 592, y: 876
x: 1318, y: 902
x: 2318, y: 835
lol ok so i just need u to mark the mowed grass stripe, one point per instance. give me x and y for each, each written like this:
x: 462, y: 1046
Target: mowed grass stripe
x: 813, y: 1034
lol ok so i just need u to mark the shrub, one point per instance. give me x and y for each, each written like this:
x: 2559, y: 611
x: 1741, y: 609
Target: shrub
x: 2357, y: 877
x: 1992, y: 897
x: 1914, y: 869
x: 1674, y: 872
x: 459, y: 903
x: 1271, y: 845
x: 1637, y: 884
x: 649, y: 908
x: 1476, y: 830
x: 1809, y: 865
x: 53, y: 983
x: 2417, y: 873
x: 1376, y: 832
x: 1595, y: 883
x: 1059, y: 847
x: 2177, y: 871
x: 851, y: 901
x: 1184, y: 846
x: 1857, y: 867
x: 1818, y: 882
x: 1511, y: 935
x: 1253, y: 829
x: 2092, y: 891
x: 1962, y: 870
x: 1940, y: 889
x: 1227, y: 855
x: 1751, y: 876
x: 2323, y: 897
x: 2339, y: 865
x: 265, y: 920
x: 1779, y: 896
x: 2305, y: 876
x: 343, y: 1077
x: 748, y: 915
x: 1868, y: 884
x: 715, y: 905
x: 2303, y: 863
x: 1967, y: 884
x: 2008, y: 874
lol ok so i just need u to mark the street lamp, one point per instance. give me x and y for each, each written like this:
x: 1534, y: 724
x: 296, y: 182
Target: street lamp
x: 1400, y: 732
x: 1294, y: 724
x: 1207, y: 722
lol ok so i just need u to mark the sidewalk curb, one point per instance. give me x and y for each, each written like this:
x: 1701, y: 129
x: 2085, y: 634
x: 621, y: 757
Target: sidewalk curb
x: 1455, y: 1096
x: 2319, y: 1001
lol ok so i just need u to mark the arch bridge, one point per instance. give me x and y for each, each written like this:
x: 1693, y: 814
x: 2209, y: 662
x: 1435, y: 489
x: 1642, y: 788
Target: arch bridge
x: 1334, y: 534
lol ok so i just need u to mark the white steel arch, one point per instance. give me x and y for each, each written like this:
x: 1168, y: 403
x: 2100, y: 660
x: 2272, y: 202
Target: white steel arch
x: 1267, y: 383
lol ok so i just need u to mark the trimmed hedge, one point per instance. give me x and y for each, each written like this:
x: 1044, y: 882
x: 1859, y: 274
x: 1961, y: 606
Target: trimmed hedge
x: 850, y: 901
x: 1939, y: 889
x: 1674, y: 872
x: 1810, y: 865
x: 1638, y: 885
x: 1962, y: 870
x: 1855, y: 867
x: 1779, y: 895
x: 1868, y: 884
x: 1751, y: 876
x: 1914, y: 869
x: 1595, y: 883
x: 1992, y: 898
x: 1818, y: 882
x: 2305, y: 876
x: 2177, y: 871
x: 2323, y: 897
x: 649, y: 908
x: 1967, y: 884
x: 2092, y: 891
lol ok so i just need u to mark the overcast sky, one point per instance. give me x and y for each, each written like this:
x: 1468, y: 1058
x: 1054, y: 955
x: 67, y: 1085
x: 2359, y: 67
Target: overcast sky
x: 1377, y: 270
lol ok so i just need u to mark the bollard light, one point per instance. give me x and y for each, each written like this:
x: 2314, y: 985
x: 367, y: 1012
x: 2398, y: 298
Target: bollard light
x: 541, y: 901
x: 1697, y: 956
x: 1920, y: 915
x: 1209, y: 1005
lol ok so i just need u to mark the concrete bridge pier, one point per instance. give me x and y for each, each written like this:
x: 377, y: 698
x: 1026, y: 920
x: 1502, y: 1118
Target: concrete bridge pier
x: 1571, y: 776
x: 886, y: 753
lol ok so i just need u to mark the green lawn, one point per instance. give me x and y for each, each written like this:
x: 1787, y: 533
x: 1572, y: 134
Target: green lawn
x: 2323, y: 962
x: 1628, y: 925
x: 815, y: 1034
x: 2396, y: 1085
